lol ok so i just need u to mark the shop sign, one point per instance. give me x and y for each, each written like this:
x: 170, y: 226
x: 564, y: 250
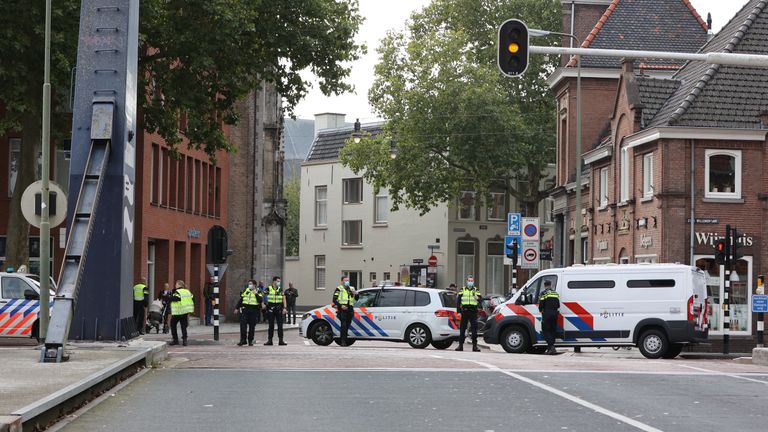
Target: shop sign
x: 704, y: 221
x: 193, y: 233
x: 646, y: 241
x: 710, y: 238
x: 602, y: 245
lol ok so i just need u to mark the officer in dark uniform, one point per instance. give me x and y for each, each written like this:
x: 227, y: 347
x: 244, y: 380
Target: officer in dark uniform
x: 344, y: 300
x: 248, y: 306
x: 549, y: 304
x: 275, y: 306
x: 466, y: 304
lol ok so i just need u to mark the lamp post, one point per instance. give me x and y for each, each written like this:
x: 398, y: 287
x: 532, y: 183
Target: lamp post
x: 577, y: 217
x: 45, y: 226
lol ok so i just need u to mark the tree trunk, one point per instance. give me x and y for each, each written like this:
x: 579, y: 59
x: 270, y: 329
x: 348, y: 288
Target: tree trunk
x: 17, y: 239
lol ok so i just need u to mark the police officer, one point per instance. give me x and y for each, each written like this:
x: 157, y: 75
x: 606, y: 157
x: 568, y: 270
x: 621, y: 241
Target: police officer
x: 248, y: 306
x: 467, y: 301
x: 275, y: 307
x: 549, y: 303
x: 140, y: 302
x: 344, y: 300
x: 182, y: 305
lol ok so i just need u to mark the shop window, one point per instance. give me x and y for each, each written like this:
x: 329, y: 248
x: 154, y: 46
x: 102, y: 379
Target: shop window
x: 722, y: 169
x: 353, y: 190
x: 467, y: 205
x: 741, y: 280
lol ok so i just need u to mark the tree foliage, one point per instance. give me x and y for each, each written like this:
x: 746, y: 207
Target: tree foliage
x: 197, y: 58
x: 293, y: 203
x: 455, y: 121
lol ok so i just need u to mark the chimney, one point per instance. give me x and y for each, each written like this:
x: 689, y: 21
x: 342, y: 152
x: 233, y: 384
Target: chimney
x: 328, y: 121
x: 764, y: 119
x: 627, y: 65
x: 710, y: 35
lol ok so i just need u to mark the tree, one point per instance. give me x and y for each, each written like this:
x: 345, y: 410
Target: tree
x: 197, y: 58
x: 292, y: 198
x: 455, y: 121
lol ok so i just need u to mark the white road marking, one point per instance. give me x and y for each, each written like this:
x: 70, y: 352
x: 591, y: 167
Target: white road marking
x: 306, y: 342
x: 570, y: 397
x: 716, y: 373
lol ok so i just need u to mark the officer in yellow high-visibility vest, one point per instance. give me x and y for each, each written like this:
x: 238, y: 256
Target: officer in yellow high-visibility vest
x: 275, y: 306
x: 248, y: 307
x: 182, y: 305
x: 344, y: 300
x: 140, y: 303
x: 466, y: 304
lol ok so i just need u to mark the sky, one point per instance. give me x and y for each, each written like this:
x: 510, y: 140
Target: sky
x: 383, y: 15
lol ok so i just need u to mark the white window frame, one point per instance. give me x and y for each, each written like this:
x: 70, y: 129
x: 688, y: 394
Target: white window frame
x: 648, y: 176
x: 472, y: 208
x: 503, y: 214
x: 624, y: 175
x: 320, y: 269
x: 737, y: 171
x: 381, y: 204
x: 345, y: 192
x: 321, y: 207
x: 346, y: 241
x: 603, y: 189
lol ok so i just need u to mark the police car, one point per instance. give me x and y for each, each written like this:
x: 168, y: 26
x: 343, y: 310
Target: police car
x: 19, y: 305
x: 419, y: 316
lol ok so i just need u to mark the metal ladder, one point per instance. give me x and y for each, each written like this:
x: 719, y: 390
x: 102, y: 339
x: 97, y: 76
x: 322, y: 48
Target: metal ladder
x: 76, y: 251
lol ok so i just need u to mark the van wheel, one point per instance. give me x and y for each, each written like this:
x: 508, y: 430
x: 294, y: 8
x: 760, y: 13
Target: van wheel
x: 418, y: 336
x: 515, y: 340
x: 443, y: 344
x: 653, y: 344
x: 321, y: 333
x: 673, y: 351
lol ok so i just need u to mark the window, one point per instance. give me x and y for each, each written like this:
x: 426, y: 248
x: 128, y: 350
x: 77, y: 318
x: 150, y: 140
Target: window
x: 319, y: 272
x: 532, y: 291
x: 467, y: 206
x: 448, y: 299
x: 34, y: 252
x: 371, y: 276
x: 353, y: 190
x: 352, y: 233
x: 599, y: 284
x: 497, y: 206
x: 651, y: 283
x: 63, y: 156
x: 386, y: 276
x: 366, y: 298
x: 646, y: 258
x: 392, y: 298
x: 549, y: 210
x: 603, y: 190
x: 495, y: 267
x: 723, y: 173
x: 624, y: 175
x: 421, y: 298
x: 14, y: 159
x: 381, y: 207
x: 14, y: 287
x: 321, y: 205
x: 648, y: 175
x: 465, y: 260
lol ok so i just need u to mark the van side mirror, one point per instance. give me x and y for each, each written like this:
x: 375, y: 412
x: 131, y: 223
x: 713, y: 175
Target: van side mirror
x: 31, y: 295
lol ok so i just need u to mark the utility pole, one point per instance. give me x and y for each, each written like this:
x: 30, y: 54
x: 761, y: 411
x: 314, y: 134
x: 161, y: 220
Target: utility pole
x: 45, y: 225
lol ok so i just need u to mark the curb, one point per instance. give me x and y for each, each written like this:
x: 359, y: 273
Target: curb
x: 10, y: 423
x: 760, y: 356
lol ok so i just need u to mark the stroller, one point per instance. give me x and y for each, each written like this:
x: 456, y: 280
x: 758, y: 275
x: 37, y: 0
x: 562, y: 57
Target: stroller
x: 155, y: 316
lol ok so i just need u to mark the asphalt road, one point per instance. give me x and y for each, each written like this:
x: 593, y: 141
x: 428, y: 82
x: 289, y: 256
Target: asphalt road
x: 379, y: 386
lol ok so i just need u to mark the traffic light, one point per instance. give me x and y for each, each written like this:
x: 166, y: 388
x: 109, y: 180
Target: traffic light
x: 513, y: 48
x: 735, y: 246
x: 512, y: 252
x: 720, y: 252
x: 217, y: 245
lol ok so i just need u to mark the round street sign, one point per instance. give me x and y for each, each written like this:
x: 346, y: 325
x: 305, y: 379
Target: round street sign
x: 432, y: 261
x: 530, y: 254
x: 531, y: 230
x: 28, y: 204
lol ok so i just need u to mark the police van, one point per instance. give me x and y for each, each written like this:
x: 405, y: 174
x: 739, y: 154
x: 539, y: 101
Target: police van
x: 19, y: 305
x: 659, y: 308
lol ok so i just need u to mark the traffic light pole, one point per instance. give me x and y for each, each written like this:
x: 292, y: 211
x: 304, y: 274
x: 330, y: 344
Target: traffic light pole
x: 726, y: 292
x: 760, y: 315
x: 215, y: 302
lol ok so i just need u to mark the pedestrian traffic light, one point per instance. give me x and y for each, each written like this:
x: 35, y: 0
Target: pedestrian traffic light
x: 513, y: 48
x: 720, y: 252
x: 217, y: 245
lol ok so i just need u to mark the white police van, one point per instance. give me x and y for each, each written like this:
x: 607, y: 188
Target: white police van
x: 660, y: 308
x: 19, y: 305
x: 419, y: 316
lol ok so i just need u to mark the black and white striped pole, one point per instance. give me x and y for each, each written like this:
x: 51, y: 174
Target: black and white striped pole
x: 215, y: 302
x: 726, y: 292
x: 760, y: 315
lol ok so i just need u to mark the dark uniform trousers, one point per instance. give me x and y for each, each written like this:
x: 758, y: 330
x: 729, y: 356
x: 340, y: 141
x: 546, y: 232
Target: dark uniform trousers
x: 275, y: 313
x: 549, y: 326
x: 248, y: 322
x: 345, y: 316
x: 184, y: 320
x: 138, y: 314
x: 468, y: 315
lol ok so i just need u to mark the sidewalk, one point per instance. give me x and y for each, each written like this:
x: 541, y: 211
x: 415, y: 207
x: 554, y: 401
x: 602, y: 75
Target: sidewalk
x: 197, y: 331
x: 37, y: 393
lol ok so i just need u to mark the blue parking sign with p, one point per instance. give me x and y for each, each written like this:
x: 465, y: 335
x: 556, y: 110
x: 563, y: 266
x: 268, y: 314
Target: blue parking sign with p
x: 513, y: 224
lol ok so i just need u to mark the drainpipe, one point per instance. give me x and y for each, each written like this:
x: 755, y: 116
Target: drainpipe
x: 573, y: 19
x: 693, y: 201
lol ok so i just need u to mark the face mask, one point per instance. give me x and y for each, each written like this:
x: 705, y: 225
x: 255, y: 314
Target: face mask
x: 346, y: 283
x: 470, y: 283
x: 278, y: 284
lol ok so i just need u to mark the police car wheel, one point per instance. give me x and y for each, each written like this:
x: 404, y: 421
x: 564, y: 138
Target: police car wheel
x: 321, y: 333
x: 514, y: 340
x: 443, y: 344
x: 653, y: 344
x: 418, y: 336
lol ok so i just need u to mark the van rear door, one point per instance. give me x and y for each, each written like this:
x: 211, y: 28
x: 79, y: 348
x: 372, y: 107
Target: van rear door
x: 698, y: 302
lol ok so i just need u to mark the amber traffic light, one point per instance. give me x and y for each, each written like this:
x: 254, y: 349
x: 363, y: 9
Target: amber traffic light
x: 513, y: 48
